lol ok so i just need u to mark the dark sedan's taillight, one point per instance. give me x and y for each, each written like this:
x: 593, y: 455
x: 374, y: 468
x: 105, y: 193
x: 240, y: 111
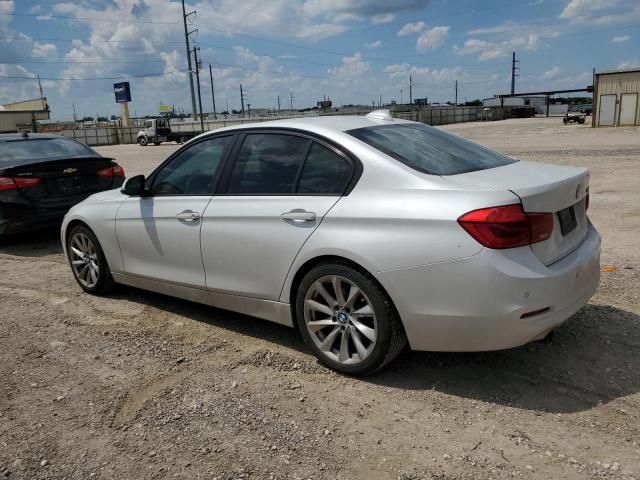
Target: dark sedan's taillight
x: 115, y: 171
x: 507, y: 226
x: 9, y: 183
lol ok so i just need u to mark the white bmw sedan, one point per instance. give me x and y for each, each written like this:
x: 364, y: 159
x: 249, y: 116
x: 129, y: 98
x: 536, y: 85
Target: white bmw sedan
x: 364, y: 233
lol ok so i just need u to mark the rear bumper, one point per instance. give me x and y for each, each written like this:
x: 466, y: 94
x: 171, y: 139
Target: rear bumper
x: 476, y: 303
x: 18, y: 220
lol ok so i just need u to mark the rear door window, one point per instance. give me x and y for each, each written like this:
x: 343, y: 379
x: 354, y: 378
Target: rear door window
x: 430, y: 150
x: 324, y: 172
x: 268, y: 163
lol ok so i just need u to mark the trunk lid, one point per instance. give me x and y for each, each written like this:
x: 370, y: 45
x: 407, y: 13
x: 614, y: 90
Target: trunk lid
x: 63, y: 182
x: 541, y: 188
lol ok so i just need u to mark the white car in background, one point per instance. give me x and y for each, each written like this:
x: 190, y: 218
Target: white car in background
x: 362, y: 232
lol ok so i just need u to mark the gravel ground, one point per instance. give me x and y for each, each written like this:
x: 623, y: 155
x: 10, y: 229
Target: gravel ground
x: 138, y: 385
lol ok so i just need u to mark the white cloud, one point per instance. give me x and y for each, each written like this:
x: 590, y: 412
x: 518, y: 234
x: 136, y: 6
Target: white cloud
x: 622, y: 39
x: 35, y: 9
x: 352, y: 67
x: 580, y: 8
x: 375, y: 44
x: 383, y: 18
x: 491, y: 50
x: 44, y: 50
x: 432, y: 38
x: 551, y: 74
x: 411, y: 28
x: 629, y: 65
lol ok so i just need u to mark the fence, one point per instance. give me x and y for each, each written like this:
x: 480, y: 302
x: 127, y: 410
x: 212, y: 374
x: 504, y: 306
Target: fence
x: 439, y: 115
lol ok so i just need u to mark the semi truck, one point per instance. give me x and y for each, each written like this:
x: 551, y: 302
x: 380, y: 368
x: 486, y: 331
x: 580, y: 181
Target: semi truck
x: 159, y: 130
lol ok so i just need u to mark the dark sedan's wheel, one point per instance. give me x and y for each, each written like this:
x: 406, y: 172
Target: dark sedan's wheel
x: 87, y: 261
x: 347, y: 320
x: 142, y: 141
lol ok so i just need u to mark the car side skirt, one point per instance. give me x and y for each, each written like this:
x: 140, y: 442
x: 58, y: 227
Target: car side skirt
x: 270, y: 310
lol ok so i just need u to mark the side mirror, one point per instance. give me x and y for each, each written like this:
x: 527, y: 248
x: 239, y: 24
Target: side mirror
x: 134, y: 186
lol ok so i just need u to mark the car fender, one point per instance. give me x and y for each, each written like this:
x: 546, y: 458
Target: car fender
x: 98, y: 212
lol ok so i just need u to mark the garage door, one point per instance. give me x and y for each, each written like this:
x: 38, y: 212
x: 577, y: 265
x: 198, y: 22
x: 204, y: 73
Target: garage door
x: 628, y: 104
x: 606, y: 114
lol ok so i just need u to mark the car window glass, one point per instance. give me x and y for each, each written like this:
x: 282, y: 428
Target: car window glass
x: 430, y: 150
x: 324, y: 172
x: 193, y: 171
x: 268, y: 163
x: 43, y: 148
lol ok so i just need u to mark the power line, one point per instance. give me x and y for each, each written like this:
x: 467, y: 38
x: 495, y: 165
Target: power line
x: 15, y: 77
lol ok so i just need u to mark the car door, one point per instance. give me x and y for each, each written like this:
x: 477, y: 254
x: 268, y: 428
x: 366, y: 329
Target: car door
x: 273, y: 195
x: 159, y: 233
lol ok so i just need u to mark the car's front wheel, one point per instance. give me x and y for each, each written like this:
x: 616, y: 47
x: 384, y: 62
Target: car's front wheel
x: 87, y: 261
x: 347, y: 320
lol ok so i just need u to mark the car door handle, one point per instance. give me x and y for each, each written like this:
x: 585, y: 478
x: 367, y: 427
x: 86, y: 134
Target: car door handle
x: 299, y: 216
x: 188, y: 216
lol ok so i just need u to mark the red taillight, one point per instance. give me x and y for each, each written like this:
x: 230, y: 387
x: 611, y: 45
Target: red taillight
x: 116, y: 171
x: 7, y: 183
x: 507, y: 226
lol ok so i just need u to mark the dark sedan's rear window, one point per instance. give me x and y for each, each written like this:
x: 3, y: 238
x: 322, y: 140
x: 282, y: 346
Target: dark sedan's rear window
x: 43, y: 149
x: 430, y: 150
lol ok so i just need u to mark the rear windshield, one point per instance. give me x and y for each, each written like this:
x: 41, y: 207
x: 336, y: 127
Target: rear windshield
x: 430, y: 150
x: 44, y: 149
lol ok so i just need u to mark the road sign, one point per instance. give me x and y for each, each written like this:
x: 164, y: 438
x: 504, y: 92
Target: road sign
x: 122, y: 92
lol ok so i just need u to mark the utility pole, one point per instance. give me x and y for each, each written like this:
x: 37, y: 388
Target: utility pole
x: 456, y: 92
x: 291, y: 99
x: 213, y: 95
x: 75, y: 118
x: 278, y: 102
x: 513, y: 72
x: 242, y: 99
x: 186, y: 39
x: 249, y: 109
x: 410, y: 90
x: 195, y: 58
x: 40, y: 87
x: 400, y: 96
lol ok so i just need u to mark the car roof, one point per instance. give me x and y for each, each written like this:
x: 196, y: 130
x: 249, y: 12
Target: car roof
x: 30, y: 136
x: 318, y: 124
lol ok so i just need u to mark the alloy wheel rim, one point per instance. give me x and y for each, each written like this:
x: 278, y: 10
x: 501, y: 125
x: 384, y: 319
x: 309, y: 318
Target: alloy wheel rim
x: 340, y: 319
x: 84, y: 260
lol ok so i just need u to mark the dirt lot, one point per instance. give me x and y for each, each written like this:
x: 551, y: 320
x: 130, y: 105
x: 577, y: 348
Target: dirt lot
x: 138, y: 385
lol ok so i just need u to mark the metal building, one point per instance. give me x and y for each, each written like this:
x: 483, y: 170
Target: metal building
x: 23, y: 116
x: 615, y: 98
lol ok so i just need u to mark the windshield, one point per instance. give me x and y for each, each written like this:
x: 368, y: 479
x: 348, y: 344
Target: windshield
x: 430, y: 150
x: 44, y: 149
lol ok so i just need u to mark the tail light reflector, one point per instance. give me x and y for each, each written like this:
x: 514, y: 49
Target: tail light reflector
x: 8, y: 183
x: 507, y: 226
x: 115, y: 171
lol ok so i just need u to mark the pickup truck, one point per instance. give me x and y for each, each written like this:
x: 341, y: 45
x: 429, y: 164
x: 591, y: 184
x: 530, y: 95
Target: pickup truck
x: 158, y: 130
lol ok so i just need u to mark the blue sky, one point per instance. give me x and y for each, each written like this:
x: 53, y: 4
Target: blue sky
x: 353, y: 51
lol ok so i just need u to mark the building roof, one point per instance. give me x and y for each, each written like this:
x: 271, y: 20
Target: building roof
x: 611, y: 72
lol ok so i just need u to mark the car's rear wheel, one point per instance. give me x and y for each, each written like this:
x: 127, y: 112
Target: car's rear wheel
x: 87, y: 261
x: 183, y: 139
x: 347, y: 320
x: 142, y: 141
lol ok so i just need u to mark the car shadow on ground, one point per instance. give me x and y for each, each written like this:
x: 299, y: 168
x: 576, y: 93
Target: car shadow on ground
x: 37, y: 243
x: 592, y: 359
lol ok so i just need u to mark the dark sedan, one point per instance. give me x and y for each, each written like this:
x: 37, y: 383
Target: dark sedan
x: 42, y: 176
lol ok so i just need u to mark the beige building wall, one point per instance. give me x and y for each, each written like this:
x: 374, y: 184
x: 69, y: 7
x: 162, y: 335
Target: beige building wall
x: 617, y: 94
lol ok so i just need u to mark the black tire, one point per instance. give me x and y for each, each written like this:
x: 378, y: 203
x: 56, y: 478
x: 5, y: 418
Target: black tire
x: 183, y: 139
x: 156, y: 143
x: 581, y: 120
x: 565, y: 120
x: 104, y: 281
x: 390, y: 336
x: 142, y: 141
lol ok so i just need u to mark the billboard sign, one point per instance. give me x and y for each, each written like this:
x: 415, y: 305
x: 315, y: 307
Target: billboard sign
x: 166, y: 108
x: 421, y: 101
x: 122, y: 92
